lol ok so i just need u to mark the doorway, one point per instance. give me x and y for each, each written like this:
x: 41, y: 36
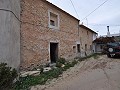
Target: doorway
x: 53, y: 52
x: 78, y: 48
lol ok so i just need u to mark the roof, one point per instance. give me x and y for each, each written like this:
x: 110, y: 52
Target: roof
x: 60, y: 9
x: 87, y: 28
x: 104, y: 40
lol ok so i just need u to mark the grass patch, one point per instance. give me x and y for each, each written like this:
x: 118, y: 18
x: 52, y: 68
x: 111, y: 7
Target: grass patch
x: 26, y: 82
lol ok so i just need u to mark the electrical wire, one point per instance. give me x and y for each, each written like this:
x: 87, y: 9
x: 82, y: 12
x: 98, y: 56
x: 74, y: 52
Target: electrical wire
x: 93, y: 24
x: 94, y: 10
x: 74, y: 8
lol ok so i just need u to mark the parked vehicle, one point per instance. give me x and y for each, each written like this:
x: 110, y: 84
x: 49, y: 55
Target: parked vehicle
x: 113, y: 49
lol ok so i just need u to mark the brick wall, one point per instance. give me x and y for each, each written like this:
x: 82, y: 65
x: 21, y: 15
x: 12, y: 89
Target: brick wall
x: 36, y: 34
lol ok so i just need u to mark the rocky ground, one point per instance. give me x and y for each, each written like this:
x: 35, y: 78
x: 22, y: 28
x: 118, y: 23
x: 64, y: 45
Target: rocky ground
x: 100, y: 73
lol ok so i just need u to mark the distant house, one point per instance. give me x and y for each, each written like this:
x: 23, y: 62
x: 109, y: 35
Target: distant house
x: 100, y: 43
x: 116, y: 36
x: 36, y: 32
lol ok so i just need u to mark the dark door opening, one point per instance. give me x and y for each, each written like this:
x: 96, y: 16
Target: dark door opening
x: 53, y: 52
x: 78, y: 48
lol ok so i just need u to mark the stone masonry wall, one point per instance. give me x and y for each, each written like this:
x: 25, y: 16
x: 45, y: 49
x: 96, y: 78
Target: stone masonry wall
x: 36, y: 34
x: 86, y: 37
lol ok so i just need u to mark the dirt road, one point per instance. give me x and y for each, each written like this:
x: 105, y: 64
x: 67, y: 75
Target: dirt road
x: 93, y: 74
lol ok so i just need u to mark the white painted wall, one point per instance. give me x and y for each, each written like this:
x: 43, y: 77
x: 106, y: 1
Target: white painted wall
x: 10, y: 32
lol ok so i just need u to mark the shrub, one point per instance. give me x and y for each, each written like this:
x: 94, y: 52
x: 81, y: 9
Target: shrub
x: 26, y: 82
x: 60, y: 62
x: 7, y: 75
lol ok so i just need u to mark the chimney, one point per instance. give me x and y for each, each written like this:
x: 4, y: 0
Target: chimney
x: 108, y: 32
x: 108, y: 28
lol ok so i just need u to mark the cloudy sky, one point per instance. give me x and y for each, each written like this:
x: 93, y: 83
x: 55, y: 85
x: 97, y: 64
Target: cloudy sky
x: 106, y: 15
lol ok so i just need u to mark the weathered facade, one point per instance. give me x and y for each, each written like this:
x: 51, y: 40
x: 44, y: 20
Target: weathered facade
x: 47, y: 33
x: 86, y: 37
x: 10, y: 32
x: 39, y: 33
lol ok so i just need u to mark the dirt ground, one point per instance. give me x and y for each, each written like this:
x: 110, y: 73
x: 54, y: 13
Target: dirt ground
x: 101, y: 73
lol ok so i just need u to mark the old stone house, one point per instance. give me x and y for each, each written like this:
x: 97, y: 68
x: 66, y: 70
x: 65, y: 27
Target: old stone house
x: 86, y: 36
x: 47, y: 33
x: 36, y: 32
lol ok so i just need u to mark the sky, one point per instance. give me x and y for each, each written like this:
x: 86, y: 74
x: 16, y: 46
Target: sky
x: 106, y: 15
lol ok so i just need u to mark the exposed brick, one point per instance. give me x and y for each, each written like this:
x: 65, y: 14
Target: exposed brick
x: 36, y: 35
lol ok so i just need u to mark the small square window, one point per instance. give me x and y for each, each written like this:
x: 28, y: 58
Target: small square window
x: 53, y: 20
x: 74, y: 49
x: 87, y: 32
x: 90, y: 47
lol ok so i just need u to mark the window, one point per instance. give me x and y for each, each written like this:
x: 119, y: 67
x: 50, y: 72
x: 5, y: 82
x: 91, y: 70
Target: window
x: 74, y: 49
x: 87, y: 32
x: 90, y: 47
x: 85, y: 47
x: 78, y: 48
x: 53, y: 20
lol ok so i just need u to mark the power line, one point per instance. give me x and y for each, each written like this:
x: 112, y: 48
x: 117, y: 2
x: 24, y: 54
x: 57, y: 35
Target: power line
x: 74, y: 8
x: 93, y: 24
x: 94, y: 10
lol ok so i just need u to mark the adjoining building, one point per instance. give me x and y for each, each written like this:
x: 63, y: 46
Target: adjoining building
x: 86, y: 36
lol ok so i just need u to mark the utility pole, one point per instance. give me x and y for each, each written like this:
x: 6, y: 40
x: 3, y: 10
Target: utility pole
x: 87, y: 21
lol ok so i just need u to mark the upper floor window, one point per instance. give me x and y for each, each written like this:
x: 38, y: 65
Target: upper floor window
x: 74, y: 49
x: 53, y: 20
x: 87, y: 32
